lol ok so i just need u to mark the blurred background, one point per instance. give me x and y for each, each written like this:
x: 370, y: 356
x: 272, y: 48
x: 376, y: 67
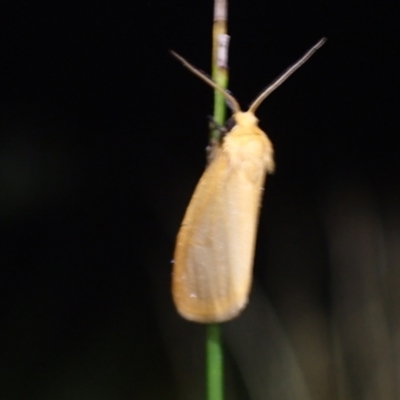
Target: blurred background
x: 102, y: 141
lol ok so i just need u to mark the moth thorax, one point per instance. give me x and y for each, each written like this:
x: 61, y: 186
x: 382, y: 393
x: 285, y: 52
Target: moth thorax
x: 245, y: 118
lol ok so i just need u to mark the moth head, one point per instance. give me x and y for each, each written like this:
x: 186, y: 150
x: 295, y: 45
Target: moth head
x: 245, y: 118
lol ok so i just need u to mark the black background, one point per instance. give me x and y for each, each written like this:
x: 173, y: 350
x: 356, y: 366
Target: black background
x: 102, y: 138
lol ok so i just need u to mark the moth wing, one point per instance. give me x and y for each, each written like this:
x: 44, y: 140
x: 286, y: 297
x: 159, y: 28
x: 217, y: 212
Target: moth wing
x: 215, y: 245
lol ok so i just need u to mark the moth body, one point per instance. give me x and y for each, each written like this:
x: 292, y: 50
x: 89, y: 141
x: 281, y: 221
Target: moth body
x: 215, y: 245
x: 214, y: 251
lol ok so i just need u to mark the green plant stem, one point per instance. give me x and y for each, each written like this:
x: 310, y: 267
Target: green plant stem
x: 220, y: 76
x: 219, y: 71
x: 215, y: 390
x: 215, y: 378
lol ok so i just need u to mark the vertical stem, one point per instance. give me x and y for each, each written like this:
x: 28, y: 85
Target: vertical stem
x: 220, y: 42
x: 220, y: 60
x: 215, y: 380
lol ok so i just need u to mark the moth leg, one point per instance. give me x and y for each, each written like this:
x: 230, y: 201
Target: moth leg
x: 215, y: 139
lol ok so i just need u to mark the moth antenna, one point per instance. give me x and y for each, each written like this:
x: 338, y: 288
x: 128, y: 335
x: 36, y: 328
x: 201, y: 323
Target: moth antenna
x: 205, y: 78
x: 282, y: 78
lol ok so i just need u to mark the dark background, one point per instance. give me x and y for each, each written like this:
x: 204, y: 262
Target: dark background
x: 102, y: 138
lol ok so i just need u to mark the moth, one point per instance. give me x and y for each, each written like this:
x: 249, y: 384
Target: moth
x: 213, y: 259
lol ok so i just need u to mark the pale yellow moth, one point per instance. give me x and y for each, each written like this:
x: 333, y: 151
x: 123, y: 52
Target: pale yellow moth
x: 214, y: 251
